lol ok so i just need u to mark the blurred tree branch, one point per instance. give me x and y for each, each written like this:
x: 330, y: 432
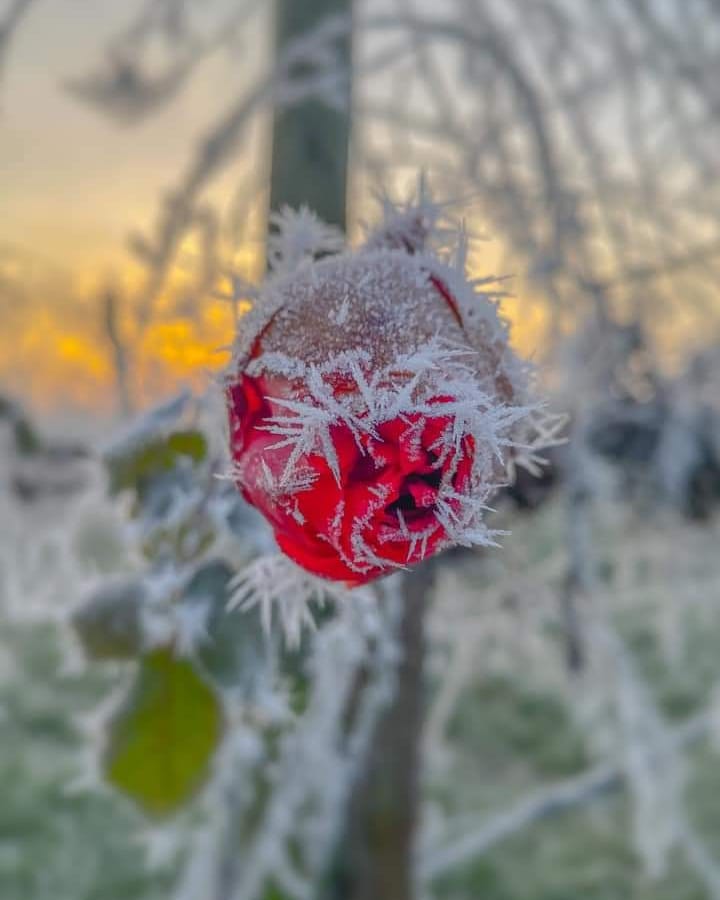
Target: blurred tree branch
x: 470, y: 842
x: 10, y: 23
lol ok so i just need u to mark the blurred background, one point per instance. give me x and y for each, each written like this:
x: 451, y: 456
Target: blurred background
x: 571, y: 682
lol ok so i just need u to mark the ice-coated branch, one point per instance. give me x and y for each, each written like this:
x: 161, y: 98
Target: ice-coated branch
x: 320, y: 78
x: 282, y: 800
x: 120, y: 353
x: 502, y: 127
x: 655, y: 772
x: 459, y: 849
x: 127, y: 87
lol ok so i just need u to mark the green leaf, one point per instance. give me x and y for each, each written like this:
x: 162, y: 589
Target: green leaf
x: 274, y: 893
x: 108, y: 623
x: 162, y: 741
x: 160, y: 454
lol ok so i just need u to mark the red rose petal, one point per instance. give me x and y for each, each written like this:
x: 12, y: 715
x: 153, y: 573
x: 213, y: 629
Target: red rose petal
x: 378, y: 514
x: 422, y: 493
x: 444, y: 292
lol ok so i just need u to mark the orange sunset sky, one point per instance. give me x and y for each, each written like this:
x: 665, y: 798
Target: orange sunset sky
x: 74, y: 184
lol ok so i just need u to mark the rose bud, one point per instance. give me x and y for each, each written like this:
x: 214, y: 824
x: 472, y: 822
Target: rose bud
x: 373, y: 399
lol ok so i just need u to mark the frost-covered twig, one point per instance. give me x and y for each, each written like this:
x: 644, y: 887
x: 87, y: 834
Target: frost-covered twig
x: 320, y: 79
x: 458, y: 849
x: 309, y: 771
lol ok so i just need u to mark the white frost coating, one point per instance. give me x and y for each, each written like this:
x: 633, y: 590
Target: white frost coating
x: 391, y: 270
x: 297, y: 236
x: 438, y: 369
x: 412, y: 225
x: 325, y: 747
x: 393, y: 330
x: 275, y: 584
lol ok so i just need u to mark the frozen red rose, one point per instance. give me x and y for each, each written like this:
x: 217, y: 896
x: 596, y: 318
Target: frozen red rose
x: 372, y: 403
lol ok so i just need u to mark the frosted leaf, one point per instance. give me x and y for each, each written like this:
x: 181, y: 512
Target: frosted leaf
x: 191, y: 624
x: 278, y: 587
x: 155, y: 423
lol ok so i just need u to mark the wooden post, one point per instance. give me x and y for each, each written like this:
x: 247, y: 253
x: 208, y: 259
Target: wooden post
x: 373, y: 860
x: 311, y: 140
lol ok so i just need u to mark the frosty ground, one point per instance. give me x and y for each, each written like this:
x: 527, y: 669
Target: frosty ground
x: 507, y: 722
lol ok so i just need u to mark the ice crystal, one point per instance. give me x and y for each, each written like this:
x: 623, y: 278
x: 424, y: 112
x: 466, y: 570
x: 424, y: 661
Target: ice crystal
x: 276, y: 585
x: 392, y: 330
x: 191, y: 626
x: 409, y: 226
x: 298, y: 236
x: 437, y: 369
